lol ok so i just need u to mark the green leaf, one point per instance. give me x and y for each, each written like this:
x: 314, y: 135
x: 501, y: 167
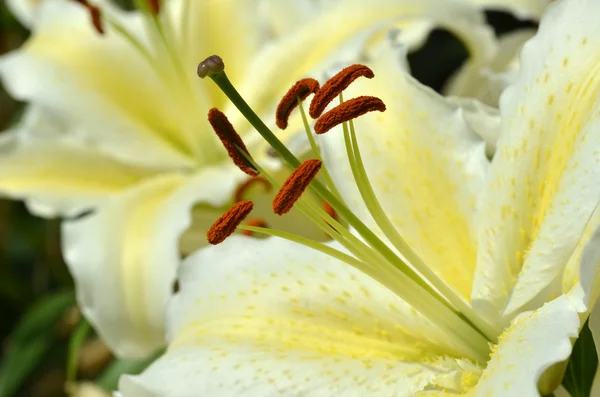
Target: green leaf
x: 30, y: 340
x: 21, y: 362
x: 582, y: 365
x: 78, y: 337
x: 109, y: 379
x: 42, y: 316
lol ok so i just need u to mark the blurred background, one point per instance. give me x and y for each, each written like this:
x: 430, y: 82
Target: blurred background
x: 41, y: 329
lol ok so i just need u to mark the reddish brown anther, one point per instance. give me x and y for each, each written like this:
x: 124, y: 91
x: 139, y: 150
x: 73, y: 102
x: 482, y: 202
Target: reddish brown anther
x: 154, y: 6
x: 256, y: 222
x: 95, y: 15
x: 329, y: 210
x: 241, y: 190
x: 334, y: 87
x: 231, y: 140
x: 295, y: 185
x: 302, y: 89
x: 228, y: 222
x: 348, y: 110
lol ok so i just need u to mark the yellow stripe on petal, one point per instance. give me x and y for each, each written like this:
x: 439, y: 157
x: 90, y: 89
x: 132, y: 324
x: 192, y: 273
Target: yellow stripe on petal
x: 542, y: 188
x: 124, y: 256
x: 66, y: 176
x: 269, y: 317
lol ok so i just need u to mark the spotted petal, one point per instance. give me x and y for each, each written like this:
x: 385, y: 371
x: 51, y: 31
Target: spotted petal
x: 426, y: 165
x: 542, y: 187
x: 533, y: 342
x: 270, y: 317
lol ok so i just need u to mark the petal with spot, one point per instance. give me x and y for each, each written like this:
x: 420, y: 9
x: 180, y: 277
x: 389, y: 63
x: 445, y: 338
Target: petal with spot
x: 426, y: 164
x: 533, y: 343
x: 271, y: 317
x: 542, y: 186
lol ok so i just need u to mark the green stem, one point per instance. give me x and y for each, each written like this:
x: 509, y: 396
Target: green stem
x: 224, y: 83
x: 431, y: 301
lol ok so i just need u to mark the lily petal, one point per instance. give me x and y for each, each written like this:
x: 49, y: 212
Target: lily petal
x: 58, y: 179
x: 542, y: 187
x: 487, y: 81
x: 24, y: 10
x: 270, y: 317
x: 426, y: 165
x: 533, y: 342
x: 124, y: 256
x: 100, y: 83
x: 348, y: 18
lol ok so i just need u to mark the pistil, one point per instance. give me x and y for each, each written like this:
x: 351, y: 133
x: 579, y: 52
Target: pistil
x: 369, y: 254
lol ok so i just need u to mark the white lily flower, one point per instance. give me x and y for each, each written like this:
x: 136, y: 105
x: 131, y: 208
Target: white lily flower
x: 135, y: 147
x: 279, y: 317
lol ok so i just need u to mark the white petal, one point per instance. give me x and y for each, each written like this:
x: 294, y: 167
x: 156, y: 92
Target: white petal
x: 211, y: 26
x: 24, y: 10
x: 59, y: 179
x: 533, y: 342
x: 542, y: 186
x: 314, y: 51
x: 270, y: 317
x: 98, y: 82
x: 426, y: 165
x: 482, y: 119
x: 584, y: 266
x: 125, y: 255
x: 486, y: 81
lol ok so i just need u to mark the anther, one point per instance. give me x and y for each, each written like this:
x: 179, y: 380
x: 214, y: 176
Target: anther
x: 211, y: 65
x: 95, y: 15
x: 228, y: 222
x: 295, y: 185
x: 154, y: 6
x: 334, y: 87
x: 329, y: 210
x: 231, y: 140
x: 241, y: 190
x: 348, y: 110
x: 256, y: 222
x: 301, y: 90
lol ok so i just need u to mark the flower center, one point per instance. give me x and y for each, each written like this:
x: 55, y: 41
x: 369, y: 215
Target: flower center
x: 398, y: 268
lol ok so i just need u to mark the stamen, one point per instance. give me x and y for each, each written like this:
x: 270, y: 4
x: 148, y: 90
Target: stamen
x: 211, y: 65
x: 228, y: 222
x: 254, y: 222
x: 231, y: 140
x: 302, y: 89
x: 347, y: 111
x: 295, y: 185
x: 95, y: 15
x: 241, y: 190
x: 154, y: 6
x: 334, y: 87
x: 329, y: 210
